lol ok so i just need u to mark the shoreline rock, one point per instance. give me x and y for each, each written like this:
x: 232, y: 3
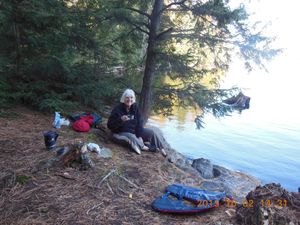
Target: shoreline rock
x: 234, y: 183
x: 213, y: 177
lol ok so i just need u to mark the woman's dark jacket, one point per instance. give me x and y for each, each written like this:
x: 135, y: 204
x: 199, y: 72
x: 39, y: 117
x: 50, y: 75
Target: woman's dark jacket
x: 134, y: 125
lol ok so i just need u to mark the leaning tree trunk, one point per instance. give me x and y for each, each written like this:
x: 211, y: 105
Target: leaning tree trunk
x: 145, y: 98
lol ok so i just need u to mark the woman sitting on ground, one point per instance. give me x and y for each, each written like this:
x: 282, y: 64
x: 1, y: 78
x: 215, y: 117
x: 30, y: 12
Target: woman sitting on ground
x: 127, y: 125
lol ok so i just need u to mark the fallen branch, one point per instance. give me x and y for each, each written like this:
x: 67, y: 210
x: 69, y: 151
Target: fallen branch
x: 94, y: 187
x: 124, y: 192
x: 94, y: 207
x: 109, y: 187
x: 104, y: 178
x: 65, y: 176
x: 124, y: 178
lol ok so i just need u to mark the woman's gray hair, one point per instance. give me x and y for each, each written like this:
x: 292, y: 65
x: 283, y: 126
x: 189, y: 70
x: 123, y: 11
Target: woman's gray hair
x: 127, y: 93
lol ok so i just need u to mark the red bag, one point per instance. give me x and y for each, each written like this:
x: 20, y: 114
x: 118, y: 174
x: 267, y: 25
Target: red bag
x: 81, y: 126
x: 89, y: 119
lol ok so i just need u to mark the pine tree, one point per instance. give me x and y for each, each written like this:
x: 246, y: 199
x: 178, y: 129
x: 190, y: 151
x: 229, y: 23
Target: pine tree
x: 210, y: 31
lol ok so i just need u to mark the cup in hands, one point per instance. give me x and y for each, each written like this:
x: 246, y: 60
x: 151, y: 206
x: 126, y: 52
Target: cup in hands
x: 127, y: 117
x: 124, y: 118
x: 131, y: 117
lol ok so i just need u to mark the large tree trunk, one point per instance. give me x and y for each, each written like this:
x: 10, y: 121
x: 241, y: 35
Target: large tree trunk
x: 145, y: 98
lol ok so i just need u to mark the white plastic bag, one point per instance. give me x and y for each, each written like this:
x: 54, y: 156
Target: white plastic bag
x: 64, y: 122
x: 56, y: 122
x: 94, y: 148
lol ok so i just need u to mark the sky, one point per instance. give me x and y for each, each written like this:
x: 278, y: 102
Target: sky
x: 279, y: 87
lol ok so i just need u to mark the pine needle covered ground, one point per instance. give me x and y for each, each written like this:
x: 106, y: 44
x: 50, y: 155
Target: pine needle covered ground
x: 68, y: 195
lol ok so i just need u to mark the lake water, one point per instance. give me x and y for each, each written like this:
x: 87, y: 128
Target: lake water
x: 263, y: 141
x: 265, y: 149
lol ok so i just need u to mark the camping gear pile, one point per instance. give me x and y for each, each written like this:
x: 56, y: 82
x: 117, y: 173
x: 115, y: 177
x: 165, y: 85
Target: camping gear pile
x: 81, y: 122
x: 74, y: 155
x: 84, y: 122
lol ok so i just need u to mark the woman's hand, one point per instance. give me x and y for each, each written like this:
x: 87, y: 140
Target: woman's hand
x: 124, y: 118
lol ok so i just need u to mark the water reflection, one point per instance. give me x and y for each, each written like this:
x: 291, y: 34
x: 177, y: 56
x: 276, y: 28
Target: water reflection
x: 179, y: 118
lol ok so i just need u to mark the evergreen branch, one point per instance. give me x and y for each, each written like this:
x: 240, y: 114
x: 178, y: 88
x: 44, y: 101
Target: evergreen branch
x: 216, y: 26
x: 139, y: 11
x: 184, y: 31
x: 164, y: 32
x: 205, y: 38
x: 138, y: 27
x: 177, y: 10
x: 230, y: 39
x: 146, y: 25
x: 100, y: 20
x: 139, y: 23
x: 122, y: 35
x: 173, y: 3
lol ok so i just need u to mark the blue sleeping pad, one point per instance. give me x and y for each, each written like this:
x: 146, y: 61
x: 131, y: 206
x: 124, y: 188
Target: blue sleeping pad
x: 194, y: 194
x: 183, y: 199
